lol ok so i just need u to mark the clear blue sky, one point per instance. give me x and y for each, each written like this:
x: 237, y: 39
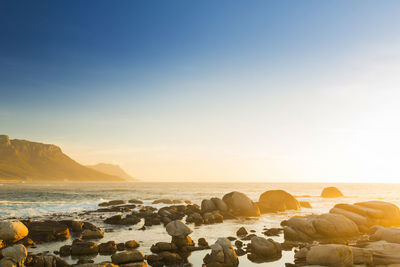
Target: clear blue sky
x: 261, y: 90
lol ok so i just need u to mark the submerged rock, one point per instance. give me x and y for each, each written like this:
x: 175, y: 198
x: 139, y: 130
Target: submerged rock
x: 305, y: 204
x: 11, y: 232
x: 277, y: 200
x: 331, y: 192
x: 240, y: 204
x: 112, y: 203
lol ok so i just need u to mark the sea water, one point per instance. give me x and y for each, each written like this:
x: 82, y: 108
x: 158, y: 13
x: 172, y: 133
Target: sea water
x: 55, y: 200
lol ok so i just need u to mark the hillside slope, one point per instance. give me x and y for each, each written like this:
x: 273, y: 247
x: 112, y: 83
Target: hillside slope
x: 111, y: 169
x: 30, y: 161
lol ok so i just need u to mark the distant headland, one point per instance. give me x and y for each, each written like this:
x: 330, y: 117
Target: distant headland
x: 22, y: 160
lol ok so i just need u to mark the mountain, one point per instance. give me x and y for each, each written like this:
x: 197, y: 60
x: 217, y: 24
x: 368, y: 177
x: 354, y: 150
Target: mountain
x: 23, y: 160
x: 111, y: 170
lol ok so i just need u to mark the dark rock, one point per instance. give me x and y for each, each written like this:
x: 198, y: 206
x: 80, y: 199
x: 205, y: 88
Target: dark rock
x: 131, y: 244
x: 135, y: 201
x: 92, y: 234
x: 163, y: 246
x: 108, y: 248
x: 264, y: 249
x: 241, y: 232
x: 112, y: 203
x: 238, y: 244
x: 240, y: 252
x: 207, y: 205
x: 248, y: 237
x: 65, y: 251
x: 80, y: 247
x: 74, y: 226
x: 181, y: 242
x: 273, y: 232
x: 120, y: 246
x: 127, y: 257
x: 195, y: 218
x: 222, y: 254
x: 202, y: 242
x: 47, y: 231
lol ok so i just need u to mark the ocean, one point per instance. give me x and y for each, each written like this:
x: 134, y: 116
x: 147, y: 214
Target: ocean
x: 55, y: 200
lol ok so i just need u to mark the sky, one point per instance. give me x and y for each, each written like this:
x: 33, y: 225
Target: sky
x: 182, y: 90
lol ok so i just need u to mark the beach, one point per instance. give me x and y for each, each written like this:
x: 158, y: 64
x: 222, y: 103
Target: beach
x: 77, y: 201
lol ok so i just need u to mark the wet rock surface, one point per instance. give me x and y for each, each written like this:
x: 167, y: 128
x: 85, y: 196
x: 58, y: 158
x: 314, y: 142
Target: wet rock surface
x: 276, y: 201
x: 301, y: 234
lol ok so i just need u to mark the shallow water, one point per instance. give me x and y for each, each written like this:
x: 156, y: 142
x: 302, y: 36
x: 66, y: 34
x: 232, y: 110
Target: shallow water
x: 32, y: 200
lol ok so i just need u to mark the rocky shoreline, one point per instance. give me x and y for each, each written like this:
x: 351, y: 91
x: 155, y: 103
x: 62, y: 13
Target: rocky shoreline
x: 359, y: 234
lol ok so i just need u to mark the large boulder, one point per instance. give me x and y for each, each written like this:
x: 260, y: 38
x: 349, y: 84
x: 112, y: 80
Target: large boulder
x: 127, y: 257
x: 383, y: 253
x: 47, y: 260
x: 277, y: 200
x: 222, y: 254
x: 220, y: 204
x: 12, y: 232
x: 45, y: 231
x: 324, y: 227
x: 331, y: 192
x: 15, y: 254
x: 240, y: 204
x: 391, y: 235
x: 207, y: 205
x: 370, y: 213
x: 330, y: 255
x: 178, y: 229
x: 264, y: 249
x: 80, y: 248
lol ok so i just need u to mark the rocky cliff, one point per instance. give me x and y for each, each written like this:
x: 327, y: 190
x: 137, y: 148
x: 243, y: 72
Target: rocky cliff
x: 30, y: 161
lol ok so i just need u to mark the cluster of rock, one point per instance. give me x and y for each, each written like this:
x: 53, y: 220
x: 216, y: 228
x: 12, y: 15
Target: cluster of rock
x: 175, y: 252
x: 367, y: 214
x: 13, y: 256
x: 379, y: 253
x: 222, y: 255
x: 343, y: 222
x: 332, y: 228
